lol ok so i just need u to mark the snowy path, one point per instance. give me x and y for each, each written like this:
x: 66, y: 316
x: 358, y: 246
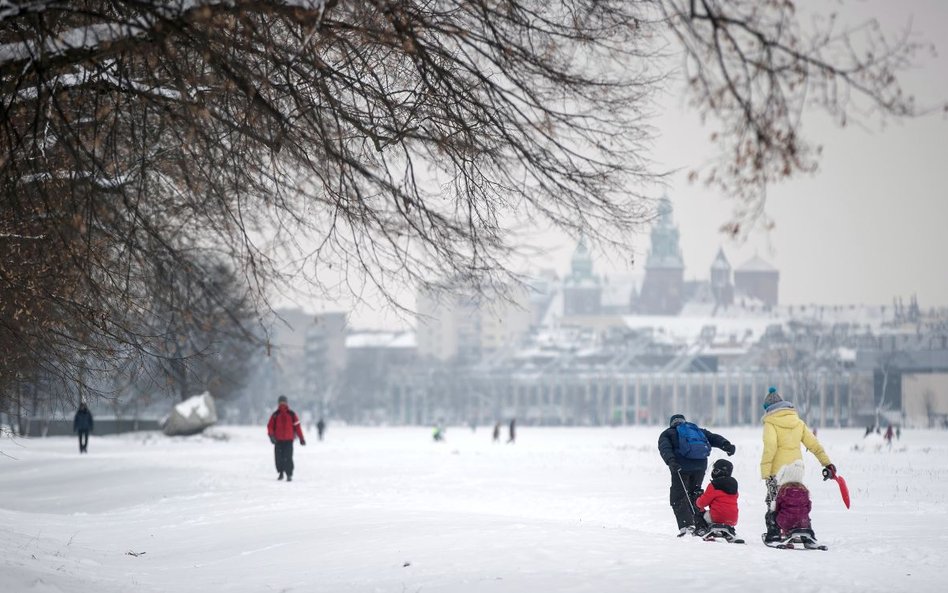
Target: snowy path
x: 389, y: 510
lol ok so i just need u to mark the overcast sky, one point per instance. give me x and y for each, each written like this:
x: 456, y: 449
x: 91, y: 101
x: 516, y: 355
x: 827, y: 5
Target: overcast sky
x: 871, y: 224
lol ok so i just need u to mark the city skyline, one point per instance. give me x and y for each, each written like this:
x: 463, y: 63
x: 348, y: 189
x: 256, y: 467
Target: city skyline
x: 865, y: 228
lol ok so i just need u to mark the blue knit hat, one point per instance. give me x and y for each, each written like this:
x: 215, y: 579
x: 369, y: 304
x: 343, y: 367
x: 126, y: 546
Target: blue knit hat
x: 772, y: 397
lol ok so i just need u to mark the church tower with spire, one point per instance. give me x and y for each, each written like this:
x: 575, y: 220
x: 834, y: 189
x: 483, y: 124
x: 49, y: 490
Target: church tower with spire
x: 664, y: 269
x: 582, y: 291
x: 721, y: 287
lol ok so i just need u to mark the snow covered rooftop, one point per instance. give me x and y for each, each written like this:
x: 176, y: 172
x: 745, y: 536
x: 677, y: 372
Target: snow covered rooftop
x: 666, y: 328
x: 756, y: 264
x: 404, y: 339
x: 749, y: 325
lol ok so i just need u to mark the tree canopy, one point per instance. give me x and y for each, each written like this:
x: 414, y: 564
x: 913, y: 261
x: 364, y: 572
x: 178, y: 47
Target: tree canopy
x: 147, y: 142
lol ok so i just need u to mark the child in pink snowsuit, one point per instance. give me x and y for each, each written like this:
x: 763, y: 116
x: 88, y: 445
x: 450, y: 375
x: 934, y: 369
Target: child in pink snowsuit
x: 792, y: 505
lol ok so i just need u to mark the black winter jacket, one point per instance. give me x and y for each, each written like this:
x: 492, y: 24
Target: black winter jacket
x: 82, y: 422
x: 668, y: 449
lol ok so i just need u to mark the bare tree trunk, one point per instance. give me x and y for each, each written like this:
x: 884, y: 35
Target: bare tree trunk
x: 882, y: 398
x: 19, y: 409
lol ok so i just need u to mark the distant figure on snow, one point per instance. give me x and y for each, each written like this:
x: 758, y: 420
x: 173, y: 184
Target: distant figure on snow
x: 496, y: 432
x: 889, y: 433
x: 82, y: 425
x: 438, y: 434
x: 320, y: 428
x: 684, y: 447
x: 513, y: 431
x: 283, y: 427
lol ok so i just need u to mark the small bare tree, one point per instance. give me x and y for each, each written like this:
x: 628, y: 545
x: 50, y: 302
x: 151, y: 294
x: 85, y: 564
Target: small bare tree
x: 929, y: 401
x: 888, y: 365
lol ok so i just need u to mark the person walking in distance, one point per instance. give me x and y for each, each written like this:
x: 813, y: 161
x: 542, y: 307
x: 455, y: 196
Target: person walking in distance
x: 320, y: 428
x: 283, y: 427
x: 684, y: 447
x: 82, y: 425
x: 513, y: 431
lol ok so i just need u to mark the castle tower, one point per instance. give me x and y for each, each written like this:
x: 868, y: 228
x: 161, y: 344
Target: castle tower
x: 721, y: 287
x: 758, y: 279
x: 664, y: 268
x: 582, y: 292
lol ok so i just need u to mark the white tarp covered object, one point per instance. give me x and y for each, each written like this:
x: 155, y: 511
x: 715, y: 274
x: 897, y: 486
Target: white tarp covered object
x: 191, y: 416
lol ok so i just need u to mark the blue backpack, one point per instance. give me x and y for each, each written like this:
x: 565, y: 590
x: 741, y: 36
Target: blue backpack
x: 692, y: 443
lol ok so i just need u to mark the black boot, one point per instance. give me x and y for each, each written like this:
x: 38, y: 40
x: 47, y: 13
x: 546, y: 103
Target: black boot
x: 280, y: 477
x: 701, y: 526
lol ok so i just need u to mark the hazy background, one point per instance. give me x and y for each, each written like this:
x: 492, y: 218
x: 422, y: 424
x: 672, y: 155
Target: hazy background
x: 870, y: 224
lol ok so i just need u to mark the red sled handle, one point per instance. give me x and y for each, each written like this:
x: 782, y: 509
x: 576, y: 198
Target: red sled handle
x: 843, y: 489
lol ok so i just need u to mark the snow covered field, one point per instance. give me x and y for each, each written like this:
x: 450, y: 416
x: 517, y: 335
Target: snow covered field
x: 387, y: 509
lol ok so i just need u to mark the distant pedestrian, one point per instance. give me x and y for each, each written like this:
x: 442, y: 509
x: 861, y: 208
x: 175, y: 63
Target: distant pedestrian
x: 438, y: 433
x: 496, y: 432
x: 320, y: 428
x: 889, y: 433
x: 898, y: 432
x: 513, y: 431
x: 82, y: 425
x: 283, y: 427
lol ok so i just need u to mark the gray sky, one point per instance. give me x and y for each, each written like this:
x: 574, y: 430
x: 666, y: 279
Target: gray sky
x: 871, y: 224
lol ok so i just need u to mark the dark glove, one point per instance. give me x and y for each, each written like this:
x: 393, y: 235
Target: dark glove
x: 696, y: 493
x: 273, y: 440
x: 673, y: 465
x: 303, y: 442
x: 829, y: 472
x: 729, y: 449
x: 771, y: 482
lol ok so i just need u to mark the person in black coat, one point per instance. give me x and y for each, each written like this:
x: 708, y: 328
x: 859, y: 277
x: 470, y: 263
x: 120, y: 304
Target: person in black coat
x: 82, y: 425
x: 321, y: 428
x: 687, y: 474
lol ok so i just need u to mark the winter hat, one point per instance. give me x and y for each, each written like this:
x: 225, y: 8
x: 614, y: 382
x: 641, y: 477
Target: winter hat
x: 282, y: 399
x: 676, y: 420
x: 792, y: 472
x: 772, y: 397
x: 722, y: 468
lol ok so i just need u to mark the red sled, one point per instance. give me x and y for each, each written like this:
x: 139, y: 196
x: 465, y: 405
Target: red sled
x: 843, y: 489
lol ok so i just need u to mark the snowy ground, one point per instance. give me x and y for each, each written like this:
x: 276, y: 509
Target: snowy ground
x: 390, y: 510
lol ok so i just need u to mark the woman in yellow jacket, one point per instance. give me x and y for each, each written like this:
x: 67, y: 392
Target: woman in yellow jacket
x: 784, y: 432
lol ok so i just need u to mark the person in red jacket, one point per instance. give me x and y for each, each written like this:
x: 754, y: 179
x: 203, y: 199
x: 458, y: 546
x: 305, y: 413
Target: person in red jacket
x: 720, y: 497
x: 283, y: 426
